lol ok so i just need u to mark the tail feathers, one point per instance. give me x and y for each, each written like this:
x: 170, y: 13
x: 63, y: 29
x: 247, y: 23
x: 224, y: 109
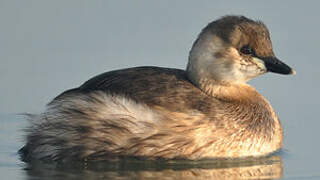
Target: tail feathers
x: 23, y: 153
x: 79, y: 126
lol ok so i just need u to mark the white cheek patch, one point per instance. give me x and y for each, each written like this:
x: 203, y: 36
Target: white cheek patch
x: 259, y: 63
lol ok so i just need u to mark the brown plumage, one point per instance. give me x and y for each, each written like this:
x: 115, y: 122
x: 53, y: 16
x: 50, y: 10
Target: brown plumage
x: 207, y: 111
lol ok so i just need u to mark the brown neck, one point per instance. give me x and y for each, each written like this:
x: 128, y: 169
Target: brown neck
x: 230, y: 92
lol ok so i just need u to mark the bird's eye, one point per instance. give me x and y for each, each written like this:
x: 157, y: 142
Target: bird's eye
x: 247, y: 50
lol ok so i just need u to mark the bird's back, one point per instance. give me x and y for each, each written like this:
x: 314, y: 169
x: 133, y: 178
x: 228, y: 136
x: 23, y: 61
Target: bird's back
x: 153, y: 86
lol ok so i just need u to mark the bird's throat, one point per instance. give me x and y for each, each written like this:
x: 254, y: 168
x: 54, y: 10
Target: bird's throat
x: 230, y: 91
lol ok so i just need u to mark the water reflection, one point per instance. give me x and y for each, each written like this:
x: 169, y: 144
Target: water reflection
x: 254, y: 168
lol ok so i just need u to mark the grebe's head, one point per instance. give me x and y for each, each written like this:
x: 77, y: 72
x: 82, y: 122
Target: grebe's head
x: 233, y: 49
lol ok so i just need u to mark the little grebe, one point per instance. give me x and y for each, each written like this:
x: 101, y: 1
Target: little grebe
x: 207, y: 111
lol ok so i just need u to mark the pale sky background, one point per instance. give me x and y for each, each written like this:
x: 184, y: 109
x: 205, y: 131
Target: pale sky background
x: 47, y: 47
